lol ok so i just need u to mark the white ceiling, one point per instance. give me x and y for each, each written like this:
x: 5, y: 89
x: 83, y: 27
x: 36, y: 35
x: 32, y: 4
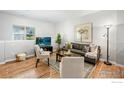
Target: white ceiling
x: 50, y: 15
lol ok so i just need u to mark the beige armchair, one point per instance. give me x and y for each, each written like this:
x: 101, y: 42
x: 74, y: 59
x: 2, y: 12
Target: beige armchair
x: 41, y: 54
x: 72, y: 67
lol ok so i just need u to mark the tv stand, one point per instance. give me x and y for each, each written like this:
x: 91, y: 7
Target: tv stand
x: 47, y: 48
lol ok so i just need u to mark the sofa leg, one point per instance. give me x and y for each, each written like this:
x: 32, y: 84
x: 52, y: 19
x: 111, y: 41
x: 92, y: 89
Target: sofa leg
x: 48, y: 61
x: 37, y: 62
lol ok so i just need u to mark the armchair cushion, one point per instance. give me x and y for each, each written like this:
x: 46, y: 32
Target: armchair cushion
x: 43, y: 54
x: 72, y: 67
x: 41, y: 50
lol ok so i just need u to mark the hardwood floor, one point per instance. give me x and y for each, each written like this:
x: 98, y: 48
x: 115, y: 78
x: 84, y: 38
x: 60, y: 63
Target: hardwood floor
x: 107, y: 71
x: 26, y: 69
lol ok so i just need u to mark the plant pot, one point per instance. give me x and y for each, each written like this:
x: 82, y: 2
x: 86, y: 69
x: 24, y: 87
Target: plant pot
x: 69, y: 51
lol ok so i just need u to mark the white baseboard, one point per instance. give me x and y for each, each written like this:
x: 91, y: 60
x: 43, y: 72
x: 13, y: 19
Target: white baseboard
x: 2, y: 62
x: 120, y: 65
x: 14, y: 59
x: 10, y: 60
x: 30, y: 56
x: 113, y: 62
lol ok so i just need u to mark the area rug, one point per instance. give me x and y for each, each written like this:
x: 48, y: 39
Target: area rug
x: 87, y: 67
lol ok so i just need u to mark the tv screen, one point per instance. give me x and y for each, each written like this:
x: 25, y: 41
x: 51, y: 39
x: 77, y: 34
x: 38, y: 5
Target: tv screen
x: 43, y: 41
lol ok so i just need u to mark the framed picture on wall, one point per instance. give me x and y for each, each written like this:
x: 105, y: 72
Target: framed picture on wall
x: 83, y: 32
x: 30, y: 33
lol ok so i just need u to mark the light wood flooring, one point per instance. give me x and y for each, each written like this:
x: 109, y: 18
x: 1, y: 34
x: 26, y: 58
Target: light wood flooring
x: 26, y: 69
x: 107, y: 71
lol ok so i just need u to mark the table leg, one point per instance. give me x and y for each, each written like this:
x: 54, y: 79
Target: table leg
x: 56, y: 57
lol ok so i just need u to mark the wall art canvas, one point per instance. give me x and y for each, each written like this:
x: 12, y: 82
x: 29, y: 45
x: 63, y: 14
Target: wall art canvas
x: 30, y: 33
x: 84, y: 32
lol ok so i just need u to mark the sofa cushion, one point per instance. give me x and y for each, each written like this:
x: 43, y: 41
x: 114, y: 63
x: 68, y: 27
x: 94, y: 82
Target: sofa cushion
x: 75, y: 46
x: 86, y: 48
x: 92, y: 55
x: 78, y: 51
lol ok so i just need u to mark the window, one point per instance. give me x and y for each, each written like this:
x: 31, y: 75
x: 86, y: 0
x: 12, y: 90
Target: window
x: 23, y: 33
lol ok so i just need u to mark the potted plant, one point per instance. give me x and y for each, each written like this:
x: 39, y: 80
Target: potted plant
x: 68, y: 46
x: 58, y: 41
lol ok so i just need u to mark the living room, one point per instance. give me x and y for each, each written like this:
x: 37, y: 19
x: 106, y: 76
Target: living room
x: 66, y: 23
x: 61, y: 46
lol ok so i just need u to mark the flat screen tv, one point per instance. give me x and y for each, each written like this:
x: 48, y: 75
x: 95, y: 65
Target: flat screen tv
x: 43, y: 41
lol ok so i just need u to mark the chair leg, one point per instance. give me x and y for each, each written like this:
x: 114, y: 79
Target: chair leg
x: 48, y: 61
x: 37, y: 62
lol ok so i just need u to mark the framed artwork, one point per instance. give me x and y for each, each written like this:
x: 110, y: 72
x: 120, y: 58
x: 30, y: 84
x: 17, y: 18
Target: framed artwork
x: 84, y: 32
x: 30, y: 33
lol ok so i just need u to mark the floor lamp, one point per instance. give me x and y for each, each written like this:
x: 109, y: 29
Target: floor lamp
x: 108, y: 27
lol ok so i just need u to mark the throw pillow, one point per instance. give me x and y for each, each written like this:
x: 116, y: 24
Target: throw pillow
x: 86, y: 48
x: 41, y: 50
x: 93, y: 48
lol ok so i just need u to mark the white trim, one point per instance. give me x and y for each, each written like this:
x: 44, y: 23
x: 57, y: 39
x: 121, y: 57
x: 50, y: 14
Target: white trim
x: 30, y: 55
x: 113, y: 62
x: 3, y: 62
x: 15, y: 59
x: 10, y: 60
x: 120, y: 65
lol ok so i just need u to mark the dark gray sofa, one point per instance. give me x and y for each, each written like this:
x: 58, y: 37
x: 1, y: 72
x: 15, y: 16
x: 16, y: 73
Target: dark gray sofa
x: 81, y: 49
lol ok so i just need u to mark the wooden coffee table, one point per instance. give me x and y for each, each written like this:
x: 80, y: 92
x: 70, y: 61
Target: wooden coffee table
x: 63, y: 53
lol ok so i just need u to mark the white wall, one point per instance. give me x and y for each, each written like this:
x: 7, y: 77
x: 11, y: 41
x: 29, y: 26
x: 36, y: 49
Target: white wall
x: 2, y: 51
x: 98, y: 20
x: 120, y: 37
x: 7, y: 22
x: 13, y: 47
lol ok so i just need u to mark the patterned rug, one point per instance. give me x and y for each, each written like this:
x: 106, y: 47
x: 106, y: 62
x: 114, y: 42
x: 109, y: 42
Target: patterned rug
x: 87, y: 67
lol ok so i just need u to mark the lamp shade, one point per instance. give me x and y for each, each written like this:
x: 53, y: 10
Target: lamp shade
x: 107, y: 26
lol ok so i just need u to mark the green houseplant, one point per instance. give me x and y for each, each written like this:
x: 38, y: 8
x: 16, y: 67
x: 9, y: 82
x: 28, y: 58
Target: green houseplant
x: 68, y: 45
x: 58, y: 40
